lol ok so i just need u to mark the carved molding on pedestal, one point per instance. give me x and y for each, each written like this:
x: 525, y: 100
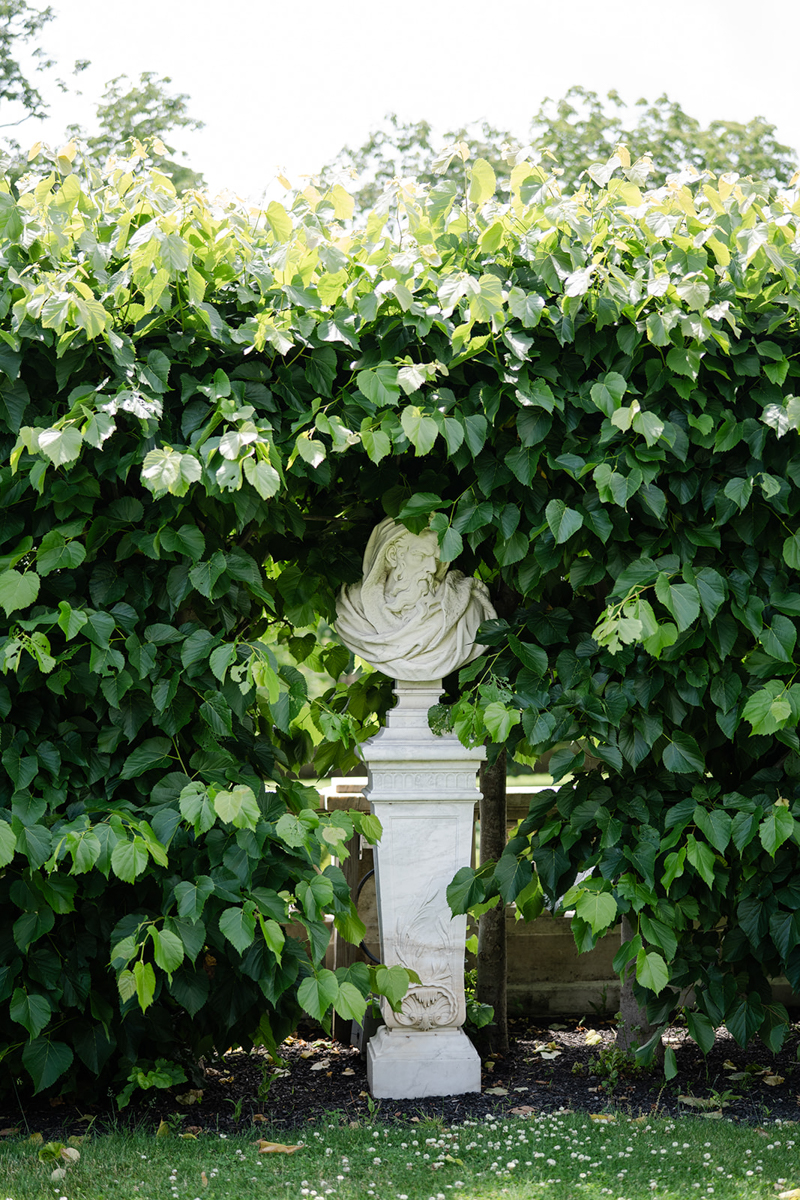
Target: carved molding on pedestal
x: 424, y: 943
x: 433, y: 780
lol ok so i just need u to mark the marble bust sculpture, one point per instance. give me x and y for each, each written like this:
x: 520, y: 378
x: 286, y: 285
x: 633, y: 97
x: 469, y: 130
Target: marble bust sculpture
x: 410, y: 616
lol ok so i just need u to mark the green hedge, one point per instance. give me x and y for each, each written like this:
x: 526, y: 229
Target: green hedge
x: 588, y: 397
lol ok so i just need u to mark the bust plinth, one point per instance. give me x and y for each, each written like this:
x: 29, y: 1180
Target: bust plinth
x: 422, y: 789
x: 413, y: 620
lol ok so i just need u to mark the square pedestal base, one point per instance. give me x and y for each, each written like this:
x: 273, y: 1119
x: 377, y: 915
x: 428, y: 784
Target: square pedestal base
x: 405, y: 1066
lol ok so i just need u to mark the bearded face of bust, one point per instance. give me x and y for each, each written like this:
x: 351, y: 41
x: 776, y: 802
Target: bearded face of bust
x: 412, y: 564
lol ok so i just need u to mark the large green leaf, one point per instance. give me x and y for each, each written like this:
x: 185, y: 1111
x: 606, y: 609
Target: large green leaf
x: 715, y: 825
x: 712, y: 590
x: 317, y: 993
x: 170, y: 471
x: 238, y: 925
x: 779, y: 638
x: 46, y: 1061
x: 154, y: 752
x: 702, y: 859
x: 167, y: 949
x: 62, y: 446
x: 129, y: 859
x: 392, y: 982
x: 701, y: 1029
x: 658, y: 933
x: 482, y: 182
x: 745, y: 1019
x: 18, y: 590
x: 420, y: 429
x: 31, y: 1010
x: 196, y: 807
x: 56, y: 553
x: 777, y: 827
x: 682, y: 754
x: 192, y: 895
x: 499, y: 719
x: 563, y: 521
x: 379, y: 384
x: 465, y: 890
x: 144, y: 978
x: 512, y: 876
x: 350, y: 1003
x: 8, y: 843
x: 190, y: 989
x: 682, y: 600
x: 651, y: 971
x: 598, y: 908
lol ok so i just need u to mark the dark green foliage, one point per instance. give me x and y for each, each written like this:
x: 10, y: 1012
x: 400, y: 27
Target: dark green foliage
x: 588, y: 397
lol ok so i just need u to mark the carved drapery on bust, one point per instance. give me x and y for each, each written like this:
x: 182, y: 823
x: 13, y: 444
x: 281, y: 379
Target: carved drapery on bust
x: 410, y: 616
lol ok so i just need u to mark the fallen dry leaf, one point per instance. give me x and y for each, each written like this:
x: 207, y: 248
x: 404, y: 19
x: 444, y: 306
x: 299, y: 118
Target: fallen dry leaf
x: 603, y: 1118
x: 703, y: 1102
x: 592, y: 1037
x: 549, y: 1053
x: 728, y: 1065
x: 204, y: 1179
x: 773, y: 1080
x: 792, y: 1194
x: 258, y: 1117
x: 276, y: 1147
x: 193, y: 1096
x: 36, y: 1139
x: 520, y: 1089
x: 163, y: 1130
x: 306, y: 1053
x: 349, y: 1071
x: 496, y: 1091
x: 488, y: 1066
x: 524, y: 1110
x: 321, y: 1065
x: 70, y: 1154
x: 192, y: 1137
x: 10, y: 1131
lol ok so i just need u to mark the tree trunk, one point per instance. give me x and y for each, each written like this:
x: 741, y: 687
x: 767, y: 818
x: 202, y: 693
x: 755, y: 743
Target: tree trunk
x: 634, y: 1028
x: 491, y: 986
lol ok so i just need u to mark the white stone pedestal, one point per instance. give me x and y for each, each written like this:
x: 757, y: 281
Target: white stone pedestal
x: 423, y: 790
x: 406, y: 1066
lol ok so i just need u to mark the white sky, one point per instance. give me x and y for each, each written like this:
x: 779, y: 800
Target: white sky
x: 285, y: 86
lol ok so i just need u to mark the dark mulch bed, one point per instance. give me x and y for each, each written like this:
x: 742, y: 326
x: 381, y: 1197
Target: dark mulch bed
x: 322, y: 1076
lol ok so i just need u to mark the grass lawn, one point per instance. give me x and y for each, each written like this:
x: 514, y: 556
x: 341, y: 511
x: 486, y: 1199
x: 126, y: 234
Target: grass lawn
x: 557, y: 1156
